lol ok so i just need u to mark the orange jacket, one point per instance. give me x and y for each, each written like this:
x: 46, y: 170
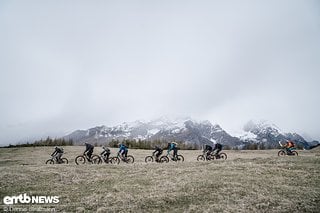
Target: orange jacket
x: 289, y: 144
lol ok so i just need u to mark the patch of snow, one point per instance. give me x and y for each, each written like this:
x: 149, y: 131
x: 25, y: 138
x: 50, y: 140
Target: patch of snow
x: 141, y: 137
x: 213, y: 140
x: 177, y: 130
x: 153, y: 131
x: 245, y: 136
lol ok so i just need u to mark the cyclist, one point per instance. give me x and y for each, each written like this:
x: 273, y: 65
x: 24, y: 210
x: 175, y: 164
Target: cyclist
x: 89, y: 150
x: 207, y: 150
x: 217, y: 148
x: 159, y: 151
x: 58, y: 152
x: 123, y: 150
x: 289, y: 146
x: 106, y: 152
x: 173, y: 146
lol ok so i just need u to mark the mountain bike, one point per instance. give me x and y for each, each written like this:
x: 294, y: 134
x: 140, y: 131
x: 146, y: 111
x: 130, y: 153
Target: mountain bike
x: 284, y: 152
x: 166, y: 158
x: 151, y: 158
x: 82, y: 159
x: 212, y: 156
x: 128, y: 159
x: 112, y: 160
x: 54, y: 160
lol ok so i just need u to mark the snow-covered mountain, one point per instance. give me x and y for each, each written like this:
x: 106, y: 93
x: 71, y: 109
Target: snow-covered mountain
x: 163, y: 129
x: 189, y: 131
x: 268, y: 133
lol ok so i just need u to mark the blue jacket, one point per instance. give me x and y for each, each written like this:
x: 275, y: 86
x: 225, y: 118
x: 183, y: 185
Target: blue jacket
x: 172, y: 146
x: 123, y: 148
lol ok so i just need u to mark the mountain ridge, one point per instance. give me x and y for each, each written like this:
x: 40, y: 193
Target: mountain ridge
x: 189, y: 131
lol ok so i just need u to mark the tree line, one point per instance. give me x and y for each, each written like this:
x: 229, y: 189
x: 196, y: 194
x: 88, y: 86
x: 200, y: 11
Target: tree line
x: 145, y: 144
x: 47, y: 142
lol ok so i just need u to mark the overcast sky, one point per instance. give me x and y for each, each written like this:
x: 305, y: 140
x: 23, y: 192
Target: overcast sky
x: 68, y: 65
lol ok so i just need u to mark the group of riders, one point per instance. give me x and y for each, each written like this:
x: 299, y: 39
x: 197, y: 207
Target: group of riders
x: 123, y: 150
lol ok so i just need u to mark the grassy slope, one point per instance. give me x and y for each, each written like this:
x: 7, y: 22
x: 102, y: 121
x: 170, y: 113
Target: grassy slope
x: 249, y: 181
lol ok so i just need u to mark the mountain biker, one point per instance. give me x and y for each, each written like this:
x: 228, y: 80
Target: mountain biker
x: 173, y: 146
x: 289, y: 146
x: 217, y: 148
x: 123, y: 150
x: 159, y: 151
x: 207, y: 150
x: 106, y: 152
x: 89, y: 150
x: 58, y: 152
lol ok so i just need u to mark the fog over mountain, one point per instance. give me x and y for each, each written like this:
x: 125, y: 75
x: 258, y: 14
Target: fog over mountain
x: 69, y: 65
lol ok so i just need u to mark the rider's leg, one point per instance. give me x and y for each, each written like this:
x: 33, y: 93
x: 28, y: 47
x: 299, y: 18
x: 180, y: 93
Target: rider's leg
x: 157, y: 156
x: 218, y: 151
x: 89, y: 154
x: 58, y: 156
x: 175, y: 153
x: 208, y: 153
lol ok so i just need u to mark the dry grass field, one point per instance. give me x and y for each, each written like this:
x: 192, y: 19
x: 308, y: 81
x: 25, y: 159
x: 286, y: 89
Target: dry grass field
x: 248, y: 181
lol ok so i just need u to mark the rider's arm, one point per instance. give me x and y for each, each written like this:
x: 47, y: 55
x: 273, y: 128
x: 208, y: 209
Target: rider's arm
x: 55, y: 151
x: 120, y: 151
x: 85, y: 150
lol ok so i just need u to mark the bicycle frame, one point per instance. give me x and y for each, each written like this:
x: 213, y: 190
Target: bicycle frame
x: 55, y: 159
x: 170, y: 155
x: 286, y: 151
x: 123, y: 158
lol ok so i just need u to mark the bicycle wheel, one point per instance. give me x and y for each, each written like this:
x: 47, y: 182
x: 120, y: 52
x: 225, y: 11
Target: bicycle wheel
x: 180, y: 158
x: 50, y: 161
x: 281, y: 153
x: 96, y: 159
x: 80, y: 159
x: 201, y: 158
x: 164, y: 159
x: 115, y: 160
x: 223, y: 156
x: 64, y: 160
x: 295, y: 153
x: 130, y: 159
x: 148, y: 159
